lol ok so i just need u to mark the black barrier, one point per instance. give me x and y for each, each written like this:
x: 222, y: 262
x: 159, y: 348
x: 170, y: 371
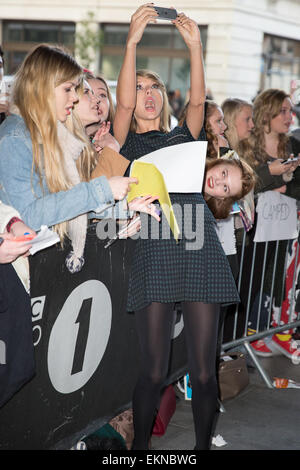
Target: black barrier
x: 86, y: 349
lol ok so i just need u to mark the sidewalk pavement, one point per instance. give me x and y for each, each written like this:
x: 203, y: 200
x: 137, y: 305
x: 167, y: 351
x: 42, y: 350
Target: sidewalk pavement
x: 259, y: 418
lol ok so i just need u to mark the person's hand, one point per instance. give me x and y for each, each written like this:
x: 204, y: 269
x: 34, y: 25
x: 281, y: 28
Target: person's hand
x: 289, y: 173
x: 10, y: 249
x: 278, y: 168
x: 4, y: 105
x: 120, y: 185
x: 297, y: 163
x: 144, y: 15
x: 133, y: 229
x: 294, y: 165
x: 188, y: 29
x: 103, y: 138
x: 18, y: 229
x: 144, y: 204
x: 101, y: 131
x: 140, y: 204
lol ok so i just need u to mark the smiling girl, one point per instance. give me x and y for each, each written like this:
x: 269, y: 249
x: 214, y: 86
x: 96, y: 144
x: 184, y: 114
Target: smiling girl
x: 269, y: 143
x: 226, y: 180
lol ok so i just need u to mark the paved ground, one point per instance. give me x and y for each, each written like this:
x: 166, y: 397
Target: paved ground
x: 259, y: 418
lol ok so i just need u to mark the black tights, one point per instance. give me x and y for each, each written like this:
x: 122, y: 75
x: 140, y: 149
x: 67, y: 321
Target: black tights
x: 154, y: 327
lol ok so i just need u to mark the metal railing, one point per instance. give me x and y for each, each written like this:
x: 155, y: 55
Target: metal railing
x: 270, y: 326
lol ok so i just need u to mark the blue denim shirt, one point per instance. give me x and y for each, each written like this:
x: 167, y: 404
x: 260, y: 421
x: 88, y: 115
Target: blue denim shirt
x: 20, y: 186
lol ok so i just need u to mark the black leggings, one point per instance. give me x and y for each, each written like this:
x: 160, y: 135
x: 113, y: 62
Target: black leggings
x: 154, y: 327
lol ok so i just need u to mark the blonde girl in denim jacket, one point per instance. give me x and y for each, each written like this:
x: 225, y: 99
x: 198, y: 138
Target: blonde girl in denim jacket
x: 44, y: 168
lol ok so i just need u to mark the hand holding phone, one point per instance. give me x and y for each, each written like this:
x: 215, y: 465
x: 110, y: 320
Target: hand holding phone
x: 291, y: 159
x: 166, y: 13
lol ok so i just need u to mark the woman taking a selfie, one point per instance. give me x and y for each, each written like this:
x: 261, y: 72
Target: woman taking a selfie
x: 164, y: 271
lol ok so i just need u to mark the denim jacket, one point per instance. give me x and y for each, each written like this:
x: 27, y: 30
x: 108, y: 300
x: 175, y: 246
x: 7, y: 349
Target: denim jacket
x: 20, y: 186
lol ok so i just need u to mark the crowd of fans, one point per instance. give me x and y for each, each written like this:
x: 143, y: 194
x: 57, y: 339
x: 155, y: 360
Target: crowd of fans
x: 56, y: 136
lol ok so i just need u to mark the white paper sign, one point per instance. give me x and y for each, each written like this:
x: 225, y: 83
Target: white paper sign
x: 277, y: 217
x: 44, y: 238
x: 182, y: 166
x: 225, y: 232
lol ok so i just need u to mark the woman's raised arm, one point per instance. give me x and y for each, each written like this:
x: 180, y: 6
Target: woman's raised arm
x: 191, y: 35
x: 126, y: 88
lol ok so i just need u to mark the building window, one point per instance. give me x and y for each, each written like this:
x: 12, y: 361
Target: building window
x: 19, y: 37
x: 161, y: 49
x: 280, y: 62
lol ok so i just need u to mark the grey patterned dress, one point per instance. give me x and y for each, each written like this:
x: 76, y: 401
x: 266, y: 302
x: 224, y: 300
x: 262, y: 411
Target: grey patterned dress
x: 164, y: 270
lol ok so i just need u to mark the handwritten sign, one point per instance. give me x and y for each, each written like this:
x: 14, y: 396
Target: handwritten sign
x: 277, y: 217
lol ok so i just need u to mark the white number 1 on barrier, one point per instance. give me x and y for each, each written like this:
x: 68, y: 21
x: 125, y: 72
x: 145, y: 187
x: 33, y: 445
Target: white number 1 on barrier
x: 79, y: 336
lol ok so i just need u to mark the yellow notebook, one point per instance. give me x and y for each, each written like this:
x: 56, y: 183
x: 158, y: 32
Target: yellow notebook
x: 151, y: 182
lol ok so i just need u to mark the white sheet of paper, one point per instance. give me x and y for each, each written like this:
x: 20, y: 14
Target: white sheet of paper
x: 225, y: 232
x: 44, y: 238
x: 182, y: 166
x: 277, y: 217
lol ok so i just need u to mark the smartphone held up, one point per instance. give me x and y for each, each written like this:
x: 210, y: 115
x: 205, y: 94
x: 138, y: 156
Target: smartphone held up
x: 291, y: 159
x: 166, y: 13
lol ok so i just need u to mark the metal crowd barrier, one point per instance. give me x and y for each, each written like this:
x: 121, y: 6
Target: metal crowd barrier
x: 261, y: 332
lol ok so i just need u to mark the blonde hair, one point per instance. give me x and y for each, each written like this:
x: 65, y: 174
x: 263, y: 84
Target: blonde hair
x: 266, y: 107
x: 231, y: 107
x: 88, y: 158
x: 164, y: 125
x: 43, y: 69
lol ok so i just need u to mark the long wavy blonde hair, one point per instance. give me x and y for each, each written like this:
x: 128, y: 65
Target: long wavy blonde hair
x: 43, y: 69
x: 231, y: 108
x: 266, y: 107
x: 165, y: 112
